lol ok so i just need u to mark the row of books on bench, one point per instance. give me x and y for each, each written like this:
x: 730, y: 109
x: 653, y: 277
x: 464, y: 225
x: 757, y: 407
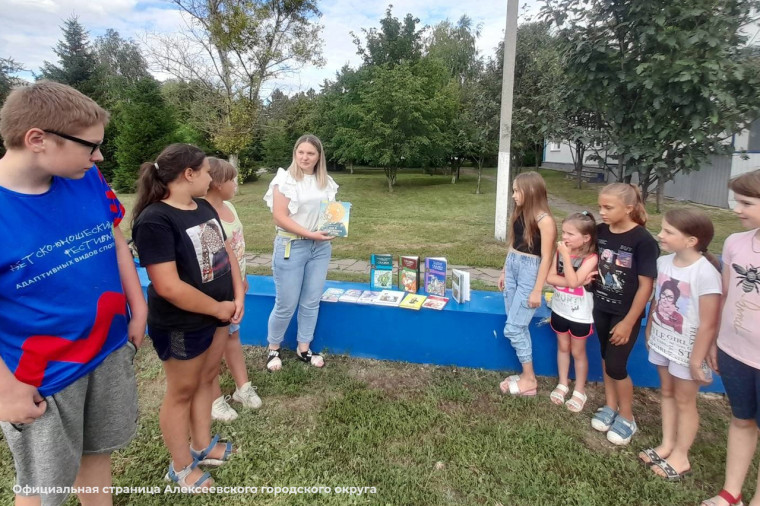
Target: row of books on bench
x: 395, y: 298
x: 435, y: 276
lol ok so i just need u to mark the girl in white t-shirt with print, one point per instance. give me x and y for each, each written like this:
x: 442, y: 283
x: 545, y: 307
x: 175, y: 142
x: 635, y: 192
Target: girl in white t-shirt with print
x: 683, y: 321
x: 301, y: 253
x: 572, y: 305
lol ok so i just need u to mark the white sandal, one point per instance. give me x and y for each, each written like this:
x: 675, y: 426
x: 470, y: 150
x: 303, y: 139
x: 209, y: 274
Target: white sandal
x: 557, y: 397
x: 180, y: 478
x: 576, y: 402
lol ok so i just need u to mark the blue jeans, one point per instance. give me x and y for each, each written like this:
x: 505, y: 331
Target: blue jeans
x: 299, y: 282
x: 520, y: 273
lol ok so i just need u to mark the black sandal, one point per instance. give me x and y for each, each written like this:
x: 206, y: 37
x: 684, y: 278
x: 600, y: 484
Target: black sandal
x: 309, y: 356
x: 273, y: 355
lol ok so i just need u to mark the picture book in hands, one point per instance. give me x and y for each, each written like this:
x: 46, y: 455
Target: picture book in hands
x: 334, y: 217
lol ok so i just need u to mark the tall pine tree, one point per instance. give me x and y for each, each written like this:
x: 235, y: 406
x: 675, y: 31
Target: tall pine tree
x: 145, y: 126
x: 77, y: 65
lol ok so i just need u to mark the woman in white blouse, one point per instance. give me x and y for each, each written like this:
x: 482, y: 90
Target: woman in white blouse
x: 301, y: 253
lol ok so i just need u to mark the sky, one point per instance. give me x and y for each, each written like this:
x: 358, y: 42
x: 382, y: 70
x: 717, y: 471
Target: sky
x: 31, y: 28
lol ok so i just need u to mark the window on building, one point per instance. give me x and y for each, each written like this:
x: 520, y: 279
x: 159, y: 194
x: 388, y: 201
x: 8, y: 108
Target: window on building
x: 554, y: 146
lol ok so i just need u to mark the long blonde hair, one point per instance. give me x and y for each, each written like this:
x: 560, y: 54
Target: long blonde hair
x: 534, y: 201
x: 320, y: 170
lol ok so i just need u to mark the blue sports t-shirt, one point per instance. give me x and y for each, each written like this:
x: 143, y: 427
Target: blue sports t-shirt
x: 62, y: 306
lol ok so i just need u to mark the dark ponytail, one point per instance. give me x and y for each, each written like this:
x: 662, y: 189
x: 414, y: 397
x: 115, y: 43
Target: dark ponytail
x: 693, y: 222
x: 153, y: 183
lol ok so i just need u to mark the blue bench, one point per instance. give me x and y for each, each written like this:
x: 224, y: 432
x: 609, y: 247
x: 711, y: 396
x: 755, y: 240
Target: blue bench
x: 464, y: 335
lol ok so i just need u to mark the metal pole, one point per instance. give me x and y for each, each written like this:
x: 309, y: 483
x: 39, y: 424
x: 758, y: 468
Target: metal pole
x: 503, y: 189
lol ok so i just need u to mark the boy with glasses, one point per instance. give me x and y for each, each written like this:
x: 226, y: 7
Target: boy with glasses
x: 72, y: 311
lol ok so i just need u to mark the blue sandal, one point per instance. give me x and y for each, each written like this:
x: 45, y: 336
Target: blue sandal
x: 201, y: 457
x: 180, y: 477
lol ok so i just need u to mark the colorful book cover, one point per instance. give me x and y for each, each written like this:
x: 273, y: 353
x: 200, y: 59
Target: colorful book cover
x: 435, y: 302
x: 381, y: 272
x: 435, y: 276
x: 334, y: 217
x: 413, y: 301
x: 389, y: 298
x: 332, y: 294
x: 409, y: 273
x: 368, y: 297
x: 350, y: 296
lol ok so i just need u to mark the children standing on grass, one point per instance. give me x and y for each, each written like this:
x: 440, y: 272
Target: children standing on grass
x: 572, y: 305
x: 68, y: 396
x: 223, y: 188
x: 683, y: 322
x: 738, y: 346
x: 532, y: 236
x: 193, y: 296
x: 301, y: 252
x: 627, y: 268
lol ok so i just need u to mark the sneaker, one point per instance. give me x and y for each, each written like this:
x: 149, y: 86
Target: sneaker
x: 222, y: 411
x: 622, y: 431
x: 603, y: 419
x: 247, y: 396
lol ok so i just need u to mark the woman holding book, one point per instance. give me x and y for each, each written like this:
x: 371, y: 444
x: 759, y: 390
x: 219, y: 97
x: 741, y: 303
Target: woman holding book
x: 301, y: 252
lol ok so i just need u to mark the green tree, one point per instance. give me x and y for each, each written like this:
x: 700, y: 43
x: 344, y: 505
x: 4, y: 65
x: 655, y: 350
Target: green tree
x: 121, y: 61
x: 454, y: 46
x: 537, y: 90
x: 8, y: 67
x: 403, y: 113
x: 77, y: 65
x: 120, y: 67
x: 145, y: 127
x: 285, y: 119
x: 232, y: 48
x: 669, y: 80
x: 482, y: 102
x: 396, y: 41
x: 338, y: 110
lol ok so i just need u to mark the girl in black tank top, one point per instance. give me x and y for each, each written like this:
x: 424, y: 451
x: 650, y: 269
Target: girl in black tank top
x: 532, y: 236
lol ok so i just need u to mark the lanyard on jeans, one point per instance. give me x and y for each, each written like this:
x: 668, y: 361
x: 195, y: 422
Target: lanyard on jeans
x: 292, y: 237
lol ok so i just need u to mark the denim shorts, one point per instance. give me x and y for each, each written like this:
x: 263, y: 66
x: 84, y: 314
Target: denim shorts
x: 742, y: 384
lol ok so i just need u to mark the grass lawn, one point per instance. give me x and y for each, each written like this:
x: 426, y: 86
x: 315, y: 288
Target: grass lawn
x: 418, y: 434
x: 427, y: 215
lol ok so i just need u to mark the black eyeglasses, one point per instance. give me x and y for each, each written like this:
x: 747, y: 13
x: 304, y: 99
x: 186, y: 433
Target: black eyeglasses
x: 94, y: 145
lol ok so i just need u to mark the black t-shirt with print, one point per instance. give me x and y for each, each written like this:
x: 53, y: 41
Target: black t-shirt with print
x: 622, y: 259
x: 194, y: 240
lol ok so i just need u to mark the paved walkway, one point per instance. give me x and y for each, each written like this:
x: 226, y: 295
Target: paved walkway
x: 485, y: 274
